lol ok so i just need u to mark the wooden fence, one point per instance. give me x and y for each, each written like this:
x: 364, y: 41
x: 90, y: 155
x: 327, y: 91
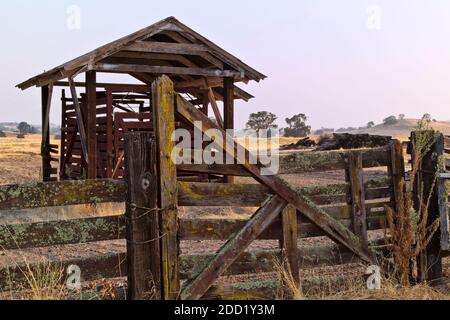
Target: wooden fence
x: 338, y: 201
x: 345, y: 212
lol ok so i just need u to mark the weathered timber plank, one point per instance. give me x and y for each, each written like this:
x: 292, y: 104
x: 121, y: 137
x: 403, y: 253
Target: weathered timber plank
x: 45, y: 234
x: 229, y: 252
x: 334, y: 230
x: 164, y: 122
x: 62, y: 193
x: 301, y: 162
x: 223, y: 229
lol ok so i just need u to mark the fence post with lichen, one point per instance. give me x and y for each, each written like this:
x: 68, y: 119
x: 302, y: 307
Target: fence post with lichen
x: 425, y: 190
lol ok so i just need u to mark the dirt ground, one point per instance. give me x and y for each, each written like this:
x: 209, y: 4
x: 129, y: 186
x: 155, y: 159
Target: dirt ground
x: 20, y: 163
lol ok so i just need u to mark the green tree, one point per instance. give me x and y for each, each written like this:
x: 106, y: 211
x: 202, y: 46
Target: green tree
x: 24, y: 128
x: 390, y: 120
x: 2, y: 134
x: 262, y: 120
x: 297, y: 126
x: 370, y: 124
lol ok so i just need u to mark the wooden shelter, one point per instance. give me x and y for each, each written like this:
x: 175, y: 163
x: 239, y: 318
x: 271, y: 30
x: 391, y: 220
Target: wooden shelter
x: 94, y: 122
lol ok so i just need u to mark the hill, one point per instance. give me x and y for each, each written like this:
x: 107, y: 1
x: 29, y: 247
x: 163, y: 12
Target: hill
x: 402, y: 128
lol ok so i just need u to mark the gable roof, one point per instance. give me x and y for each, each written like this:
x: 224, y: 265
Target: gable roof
x: 206, y: 49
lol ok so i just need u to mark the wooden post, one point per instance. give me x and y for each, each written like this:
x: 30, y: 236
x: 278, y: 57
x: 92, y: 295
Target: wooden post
x: 109, y: 135
x: 397, y: 172
x: 143, y: 245
x: 46, y: 97
x: 91, y: 123
x: 430, y: 261
x: 164, y: 122
x: 359, y: 215
x: 64, y: 145
x: 288, y: 242
x: 228, y: 105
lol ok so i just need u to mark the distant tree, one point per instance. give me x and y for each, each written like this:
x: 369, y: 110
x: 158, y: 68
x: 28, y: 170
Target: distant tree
x: 20, y: 136
x: 24, y: 128
x: 370, y: 124
x: 426, y: 117
x: 262, y: 120
x: 2, y: 134
x: 297, y: 126
x: 390, y: 120
x: 33, y: 130
x: 401, y: 116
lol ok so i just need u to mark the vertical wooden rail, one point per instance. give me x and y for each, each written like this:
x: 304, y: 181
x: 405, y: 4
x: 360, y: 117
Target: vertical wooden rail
x: 109, y: 135
x: 288, y: 242
x: 91, y: 124
x: 46, y: 97
x: 397, y: 172
x: 64, y: 135
x: 429, y: 261
x: 356, y: 179
x: 143, y: 245
x: 228, y: 111
x: 164, y: 122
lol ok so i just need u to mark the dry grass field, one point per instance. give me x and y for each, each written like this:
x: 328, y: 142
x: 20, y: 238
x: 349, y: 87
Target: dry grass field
x: 20, y: 160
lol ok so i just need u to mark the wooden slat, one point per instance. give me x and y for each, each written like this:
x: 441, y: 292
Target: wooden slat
x: 223, y: 229
x: 60, y: 194
x: 302, y: 162
x: 52, y: 233
x: 106, y: 67
x: 233, y: 248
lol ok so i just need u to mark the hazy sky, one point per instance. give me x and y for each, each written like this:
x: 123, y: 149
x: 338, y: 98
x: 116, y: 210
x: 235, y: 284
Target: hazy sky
x: 343, y: 63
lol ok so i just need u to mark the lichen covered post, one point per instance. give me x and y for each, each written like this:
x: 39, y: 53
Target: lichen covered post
x: 164, y: 124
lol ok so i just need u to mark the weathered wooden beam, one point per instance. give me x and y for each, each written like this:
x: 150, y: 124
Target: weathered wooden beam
x: 233, y: 248
x: 228, y: 111
x: 143, y: 244
x: 46, y: 98
x: 127, y: 68
x: 91, y: 123
x: 62, y: 193
x: 166, y: 47
x: 215, y: 108
x: 54, y: 233
x: 288, y: 243
x: 332, y: 228
x: 358, y: 201
x: 80, y: 122
x: 164, y: 122
x: 118, y: 87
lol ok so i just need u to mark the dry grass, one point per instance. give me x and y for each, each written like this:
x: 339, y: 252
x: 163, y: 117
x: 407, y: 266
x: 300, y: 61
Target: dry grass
x: 20, y: 160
